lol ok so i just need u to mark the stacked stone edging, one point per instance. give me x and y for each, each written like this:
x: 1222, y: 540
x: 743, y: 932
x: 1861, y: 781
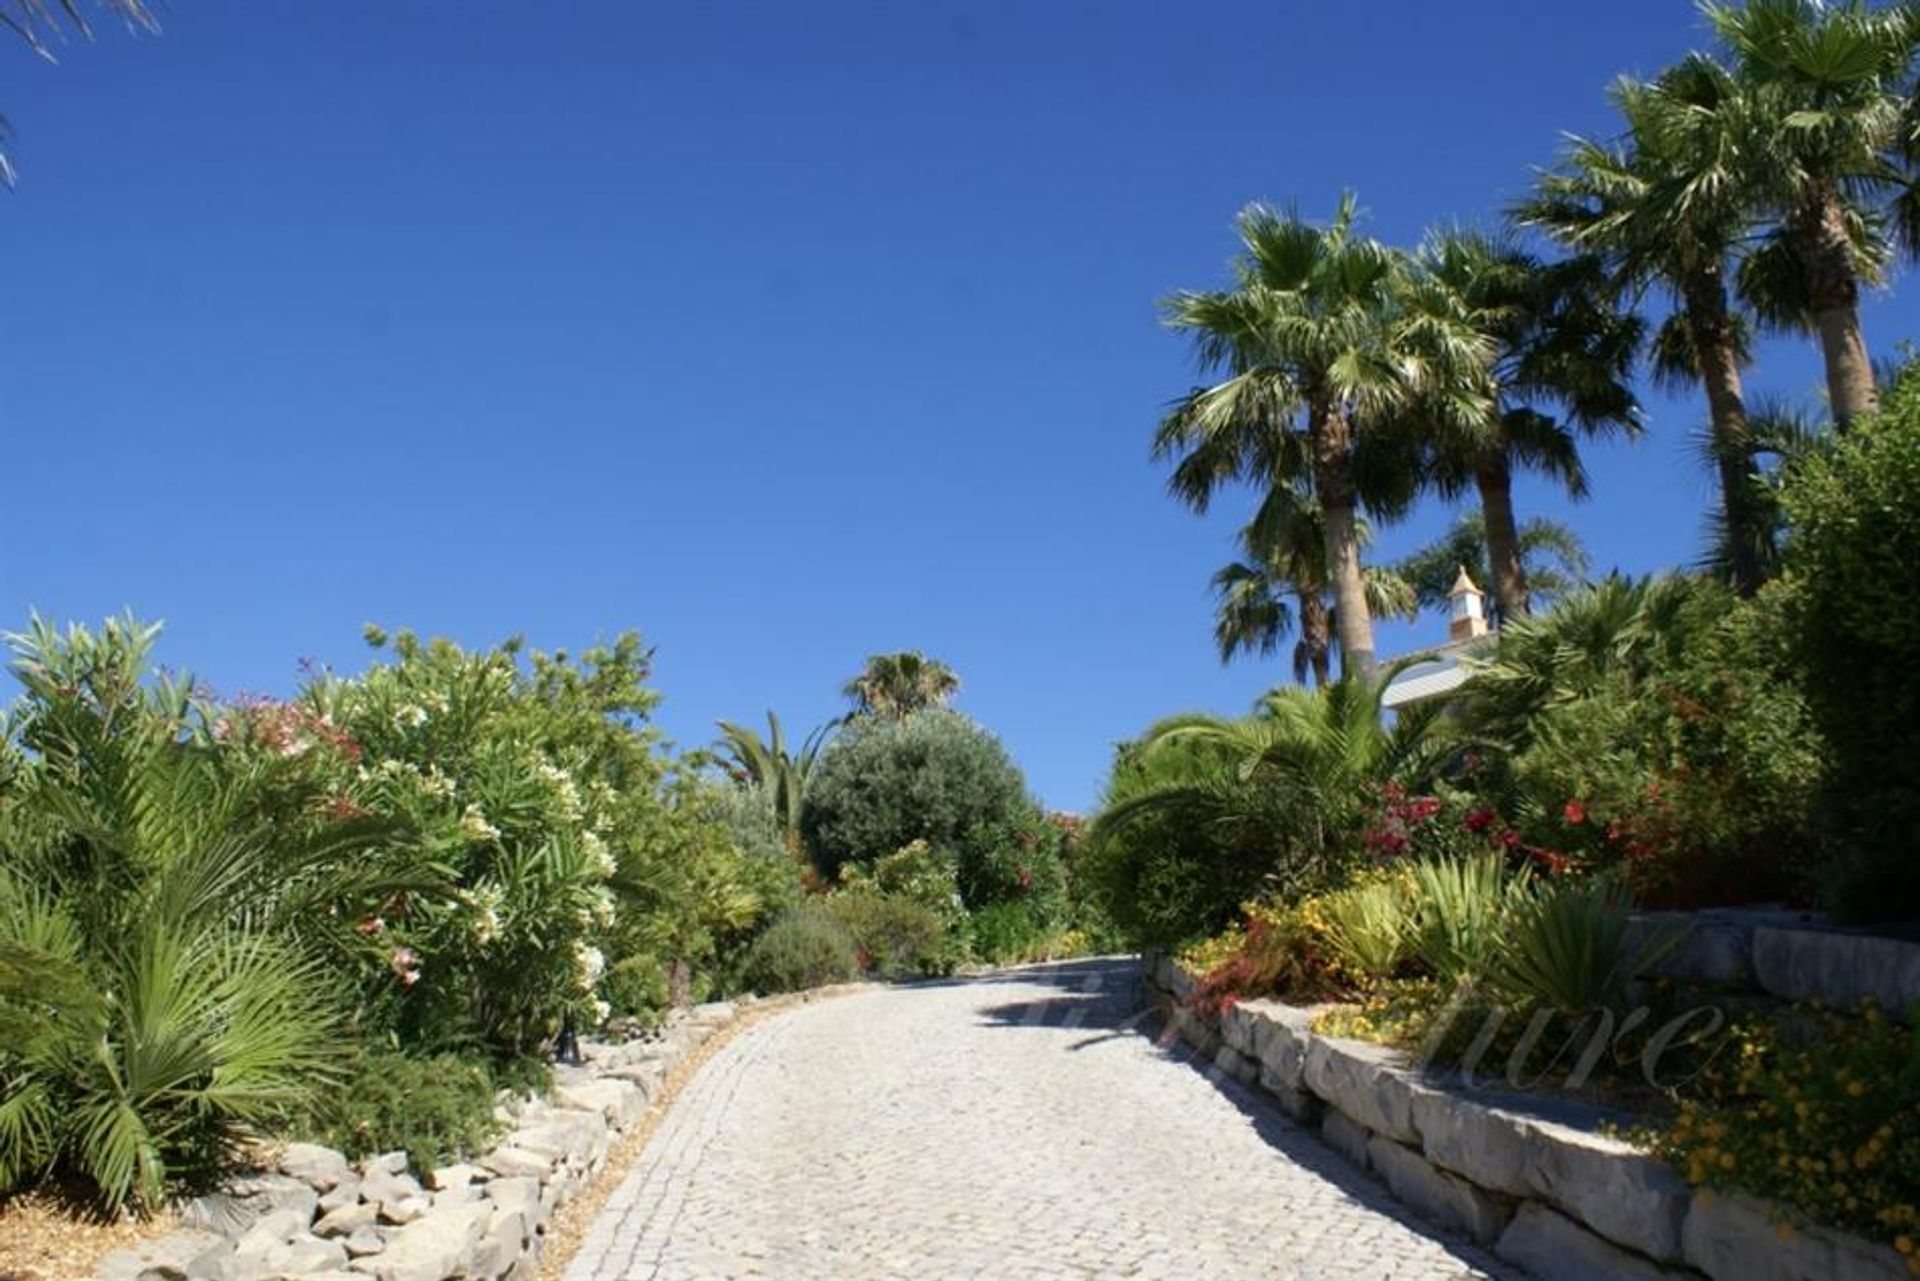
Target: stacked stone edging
x: 318, y: 1217
x: 1782, y: 955
x: 1556, y: 1199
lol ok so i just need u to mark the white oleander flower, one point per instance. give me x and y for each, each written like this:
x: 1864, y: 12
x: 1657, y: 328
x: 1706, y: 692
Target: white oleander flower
x: 474, y: 825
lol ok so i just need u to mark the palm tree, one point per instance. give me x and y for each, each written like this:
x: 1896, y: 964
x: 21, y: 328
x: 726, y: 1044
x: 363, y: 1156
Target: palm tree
x: 780, y: 775
x: 1319, y: 753
x: 1283, y: 580
x: 1314, y: 344
x: 1551, y: 553
x: 899, y: 684
x: 1666, y: 207
x: 1560, y: 357
x: 1777, y: 435
x: 38, y: 21
x: 1826, y: 90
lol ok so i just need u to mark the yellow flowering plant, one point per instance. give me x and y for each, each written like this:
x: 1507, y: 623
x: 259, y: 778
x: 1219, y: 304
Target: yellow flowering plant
x: 1818, y: 1110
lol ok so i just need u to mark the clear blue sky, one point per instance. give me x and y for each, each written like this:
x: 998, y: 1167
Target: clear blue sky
x: 783, y: 333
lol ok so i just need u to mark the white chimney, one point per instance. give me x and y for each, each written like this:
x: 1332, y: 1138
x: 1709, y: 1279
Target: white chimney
x: 1469, y: 609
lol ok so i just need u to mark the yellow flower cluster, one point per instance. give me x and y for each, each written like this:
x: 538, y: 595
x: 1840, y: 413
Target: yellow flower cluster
x: 1818, y: 1110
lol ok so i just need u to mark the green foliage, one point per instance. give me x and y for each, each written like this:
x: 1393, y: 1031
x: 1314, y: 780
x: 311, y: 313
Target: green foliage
x: 1462, y: 906
x: 766, y: 770
x: 895, y: 686
x: 1551, y: 554
x: 1370, y: 925
x: 436, y: 1109
x: 932, y: 776
x: 1205, y: 813
x: 160, y: 928
x: 636, y: 987
x: 893, y: 936
x: 1563, y: 945
x: 1656, y: 727
x: 806, y: 947
x: 1820, y: 1112
x: 1855, y: 510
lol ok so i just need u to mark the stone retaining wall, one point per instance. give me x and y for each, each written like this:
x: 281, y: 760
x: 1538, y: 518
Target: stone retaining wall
x: 317, y: 1217
x: 1528, y: 1179
x: 1784, y: 955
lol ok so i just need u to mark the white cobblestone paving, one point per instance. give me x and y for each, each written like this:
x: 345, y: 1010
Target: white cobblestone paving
x: 1017, y: 1126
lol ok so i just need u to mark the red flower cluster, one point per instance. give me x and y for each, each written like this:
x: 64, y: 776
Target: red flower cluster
x: 285, y: 729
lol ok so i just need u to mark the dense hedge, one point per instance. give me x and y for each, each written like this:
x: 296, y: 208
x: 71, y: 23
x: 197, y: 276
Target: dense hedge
x: 1856, y: 513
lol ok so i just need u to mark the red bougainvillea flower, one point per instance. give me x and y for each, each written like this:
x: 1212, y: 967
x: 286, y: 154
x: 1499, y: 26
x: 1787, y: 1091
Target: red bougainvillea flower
x: 1478, y: 820
x: 1576, y: 811
x: 1025, y: 878
x: 1553, y: 861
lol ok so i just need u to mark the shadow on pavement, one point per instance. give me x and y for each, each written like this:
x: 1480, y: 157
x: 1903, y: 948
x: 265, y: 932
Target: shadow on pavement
x: 1105, y: 995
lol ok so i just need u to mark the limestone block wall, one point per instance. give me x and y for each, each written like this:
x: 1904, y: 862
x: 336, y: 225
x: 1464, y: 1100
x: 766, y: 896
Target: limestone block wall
x: 317, y: 1216
x: 1545, y: 1192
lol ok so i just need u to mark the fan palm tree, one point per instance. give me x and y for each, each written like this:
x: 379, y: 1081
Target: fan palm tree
x: 1554, y: 559
x: 1560, y: 358
x: 899, y: 684
x: 1777, y: 435
x: 1283, y: 583
x: 38, y: 22
x: 1314, y: 344
x: 1826, y: 89
x: 780, y: 775
x: 1666, y: 207
x: 161, y: 937
x: 1320, y: 751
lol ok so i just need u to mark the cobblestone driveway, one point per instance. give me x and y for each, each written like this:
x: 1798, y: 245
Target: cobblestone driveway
x: 1018, y: 1126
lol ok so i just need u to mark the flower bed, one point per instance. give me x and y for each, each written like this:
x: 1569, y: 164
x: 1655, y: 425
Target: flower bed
x: 1535, y: 1180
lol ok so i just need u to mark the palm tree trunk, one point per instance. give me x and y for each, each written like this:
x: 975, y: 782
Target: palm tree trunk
x: 1512, y: 597
x: 1833, y: 296
x: 1717, y: 352
x: 1316, y: 635
x: 1332, y: 438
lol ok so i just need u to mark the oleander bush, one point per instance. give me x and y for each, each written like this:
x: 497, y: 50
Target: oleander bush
x: 226, y: 920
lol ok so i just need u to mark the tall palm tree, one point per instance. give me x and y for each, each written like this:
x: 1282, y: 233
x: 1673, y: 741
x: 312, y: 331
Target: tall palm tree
x: 1560, y: 358
x: 1314, y: 343
x: 1666, y: 207
x: 766, y: 763
x: 39, y: 21
x: 1551, y: 552
x: 1827, y: 87
x: 1282, y: 584
x: 899, y: 684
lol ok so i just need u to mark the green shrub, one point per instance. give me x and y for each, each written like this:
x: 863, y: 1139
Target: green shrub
x: 894, y: 937
x: 1183, y: 839
x: 1563, y: 945
x: 1656, y: 728
x: 933, y: 776
x: 436, y: 1109
x: 1462, y: 902
x: 1370, y: 925
x: 635, y: 987
x: 1012, y: 933
x: 1855, y: 511
x: 160, y: 929
x: 807, y: 947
